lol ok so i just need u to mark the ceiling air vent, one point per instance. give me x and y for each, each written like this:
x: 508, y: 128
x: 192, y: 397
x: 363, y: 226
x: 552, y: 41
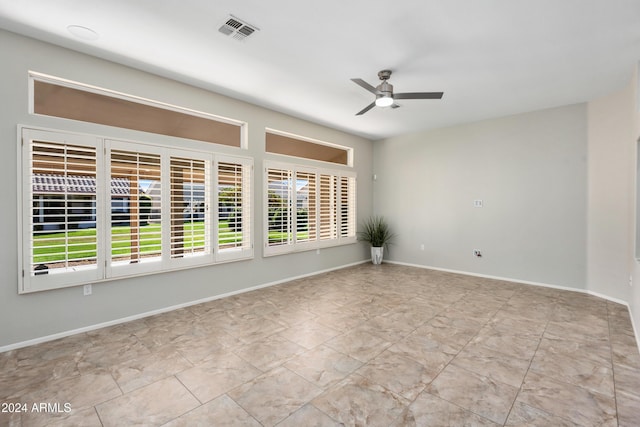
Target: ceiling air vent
x: 237, y: 28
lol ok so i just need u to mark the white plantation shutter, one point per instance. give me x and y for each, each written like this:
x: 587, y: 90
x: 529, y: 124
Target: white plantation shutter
x: 94, y: 209
x: 61, y: 245
x: 347, y: 206
x: 234, y: 193
x: 308, y: 208
x: 135, y: 236
x: 190, y: 199
x: 328, y: 207
x: 279, y: 194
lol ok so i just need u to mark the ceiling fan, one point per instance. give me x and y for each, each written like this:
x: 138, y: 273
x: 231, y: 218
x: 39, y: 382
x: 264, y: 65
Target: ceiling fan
x: 385, y: 96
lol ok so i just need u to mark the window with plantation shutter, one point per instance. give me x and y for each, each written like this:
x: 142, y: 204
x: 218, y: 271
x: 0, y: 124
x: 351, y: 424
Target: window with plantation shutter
x: 234, y: 208
x: 190, y: 199
x: 95, y: 209
x: 328, y: 207
x: 279, y: 189
x: 347, y: 206
x: 61, y: 205
x: 135, y: 216
x: 308, y: 208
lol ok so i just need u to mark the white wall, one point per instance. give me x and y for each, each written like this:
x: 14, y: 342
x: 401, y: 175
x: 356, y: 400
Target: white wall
x: 611, y: 172
x: 629, y: 107
x: 26, y: 317
x: 530, y: 171
x: 614, y: 131
x: 634, y: 299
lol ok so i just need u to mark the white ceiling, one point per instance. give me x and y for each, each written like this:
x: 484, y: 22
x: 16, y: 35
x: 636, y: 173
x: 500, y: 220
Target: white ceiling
x: 490, y: 57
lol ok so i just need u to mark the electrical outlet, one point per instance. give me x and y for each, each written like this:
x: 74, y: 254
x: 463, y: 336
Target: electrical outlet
x: 87, y: 290
x: 477, y: 253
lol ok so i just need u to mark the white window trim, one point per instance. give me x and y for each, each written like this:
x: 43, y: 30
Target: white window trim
x: 104, y: 272
x: 294, y: 245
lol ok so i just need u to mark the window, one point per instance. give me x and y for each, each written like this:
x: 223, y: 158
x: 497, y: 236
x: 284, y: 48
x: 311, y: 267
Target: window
x: 189, y: 199
x: 279, y: 195
x: 60, y: 236
x: 134, y: 236
x: 328, y: 207
x: 293, y: 145
x: 308, y: 208
x: 234, y: 208
x: 71, y: 100
x: 96, y: 209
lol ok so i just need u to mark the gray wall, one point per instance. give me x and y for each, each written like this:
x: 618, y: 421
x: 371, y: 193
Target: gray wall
x: 529, y: 170
x: 26, y: 317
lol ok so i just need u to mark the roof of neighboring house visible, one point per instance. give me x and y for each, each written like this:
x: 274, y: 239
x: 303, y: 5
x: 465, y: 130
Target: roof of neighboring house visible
x: 48, y: 183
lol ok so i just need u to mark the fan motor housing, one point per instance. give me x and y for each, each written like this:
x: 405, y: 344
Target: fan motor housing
x: 386, y: 89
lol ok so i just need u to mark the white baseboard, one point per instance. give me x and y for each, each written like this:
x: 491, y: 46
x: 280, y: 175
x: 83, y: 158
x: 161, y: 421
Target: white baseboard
x: 52, y: 337
x: 486, y: 276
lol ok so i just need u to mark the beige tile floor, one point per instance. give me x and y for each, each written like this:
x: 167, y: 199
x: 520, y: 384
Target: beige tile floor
x: 369, y: 345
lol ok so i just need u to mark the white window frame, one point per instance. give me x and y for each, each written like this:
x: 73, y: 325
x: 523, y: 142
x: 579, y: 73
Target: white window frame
x: 104, y: 271
x: 293, y: 245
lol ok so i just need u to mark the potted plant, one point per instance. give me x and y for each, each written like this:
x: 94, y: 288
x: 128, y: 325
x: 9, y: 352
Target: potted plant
x: 375, y: 230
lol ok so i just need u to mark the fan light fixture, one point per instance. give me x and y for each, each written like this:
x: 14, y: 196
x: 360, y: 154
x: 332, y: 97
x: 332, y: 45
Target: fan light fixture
x: 384, y: 101
x: 385, y: 96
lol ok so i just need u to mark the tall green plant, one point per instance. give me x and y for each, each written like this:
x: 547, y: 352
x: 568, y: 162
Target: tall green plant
x: 375, y: 230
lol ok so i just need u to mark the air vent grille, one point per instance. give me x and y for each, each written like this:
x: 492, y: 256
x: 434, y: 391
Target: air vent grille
x: 233, y: 23
x: 237, y: 28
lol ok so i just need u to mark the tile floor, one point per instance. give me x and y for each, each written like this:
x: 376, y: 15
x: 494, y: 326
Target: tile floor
x: 365, y: 346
